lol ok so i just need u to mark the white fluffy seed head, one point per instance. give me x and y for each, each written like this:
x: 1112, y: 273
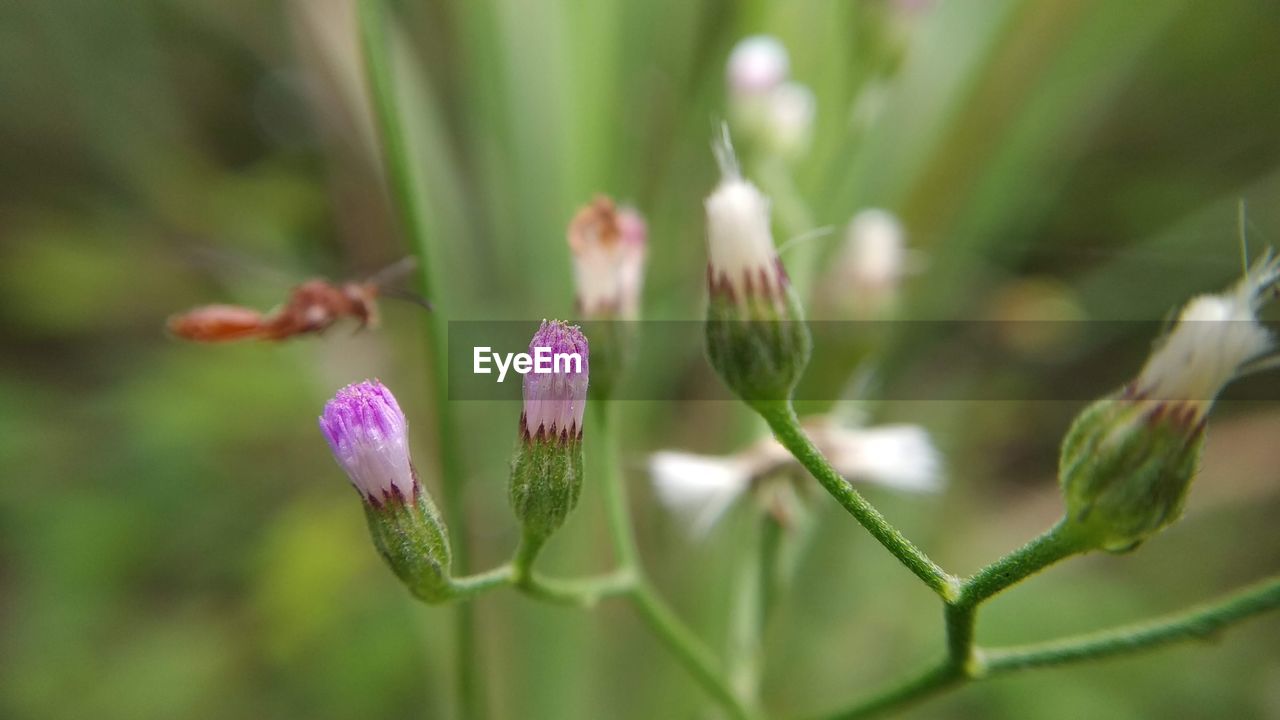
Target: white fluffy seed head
x: 1215, y: 335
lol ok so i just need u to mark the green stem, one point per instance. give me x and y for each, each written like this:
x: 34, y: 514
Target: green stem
x: 772, y: 576
x: 522, y: 562
x: 935, y: 679
x: 786, y: 428
x: 675, y: 635
x: 687, y: 649
x: 747, y: 616
x: 582, y: 592
x: 410, y: 200
x: 1057, y: 543
x: 615, y: 493
x: 1197, y: 623
x: 468, y: 586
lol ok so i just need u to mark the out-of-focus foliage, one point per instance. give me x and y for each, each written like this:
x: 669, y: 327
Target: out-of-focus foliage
x: 175, y: 542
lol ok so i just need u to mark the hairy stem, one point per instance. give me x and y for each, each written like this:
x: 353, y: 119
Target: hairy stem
x: 522, y: 561
x: 410, y: 201
x: 1198, y: 622
x: 786, y: 428
x: 1057, y: 543
x: 468, y: 586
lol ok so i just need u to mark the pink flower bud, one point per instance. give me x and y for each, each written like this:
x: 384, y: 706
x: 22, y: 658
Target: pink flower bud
x: 367, y: 431
x: 608, y: 247
x: 554, y: 400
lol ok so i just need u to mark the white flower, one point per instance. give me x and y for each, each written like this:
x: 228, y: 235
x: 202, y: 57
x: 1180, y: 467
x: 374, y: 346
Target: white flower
x: 700, y: 488
x: 762, y: 103
x: 872, y: 263
x: 877, y: 246
x: 757, y: 64
x: 897, y: 456
x: 1215, y: 336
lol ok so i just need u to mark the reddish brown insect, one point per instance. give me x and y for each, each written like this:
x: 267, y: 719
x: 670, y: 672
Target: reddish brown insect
x: 312, y: 307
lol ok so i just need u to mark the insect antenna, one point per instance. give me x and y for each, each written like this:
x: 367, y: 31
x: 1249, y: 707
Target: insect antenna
x: 397, y: 270
x: 407, y: 296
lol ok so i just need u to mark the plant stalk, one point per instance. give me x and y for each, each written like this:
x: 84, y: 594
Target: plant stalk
x: 782, y: 419
x: 410, y: 201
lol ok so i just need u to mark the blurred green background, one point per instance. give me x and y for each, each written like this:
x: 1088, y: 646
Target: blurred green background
x: 176, y: 542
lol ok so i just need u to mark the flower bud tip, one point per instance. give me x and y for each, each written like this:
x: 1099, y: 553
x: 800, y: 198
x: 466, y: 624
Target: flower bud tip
x: 366, y: 430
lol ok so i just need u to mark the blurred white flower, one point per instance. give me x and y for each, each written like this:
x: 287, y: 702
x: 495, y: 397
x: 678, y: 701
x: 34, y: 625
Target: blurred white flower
x: 871, y: 265
x: 791, y: 111
x: 896, y: 456
x: 763, y: 103
x: 701, y: 488
x: 757, y: 65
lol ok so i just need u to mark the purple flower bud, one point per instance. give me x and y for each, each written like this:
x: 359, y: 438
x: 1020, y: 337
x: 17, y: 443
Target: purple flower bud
x: 366, y: 430
x: 555, y: 391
